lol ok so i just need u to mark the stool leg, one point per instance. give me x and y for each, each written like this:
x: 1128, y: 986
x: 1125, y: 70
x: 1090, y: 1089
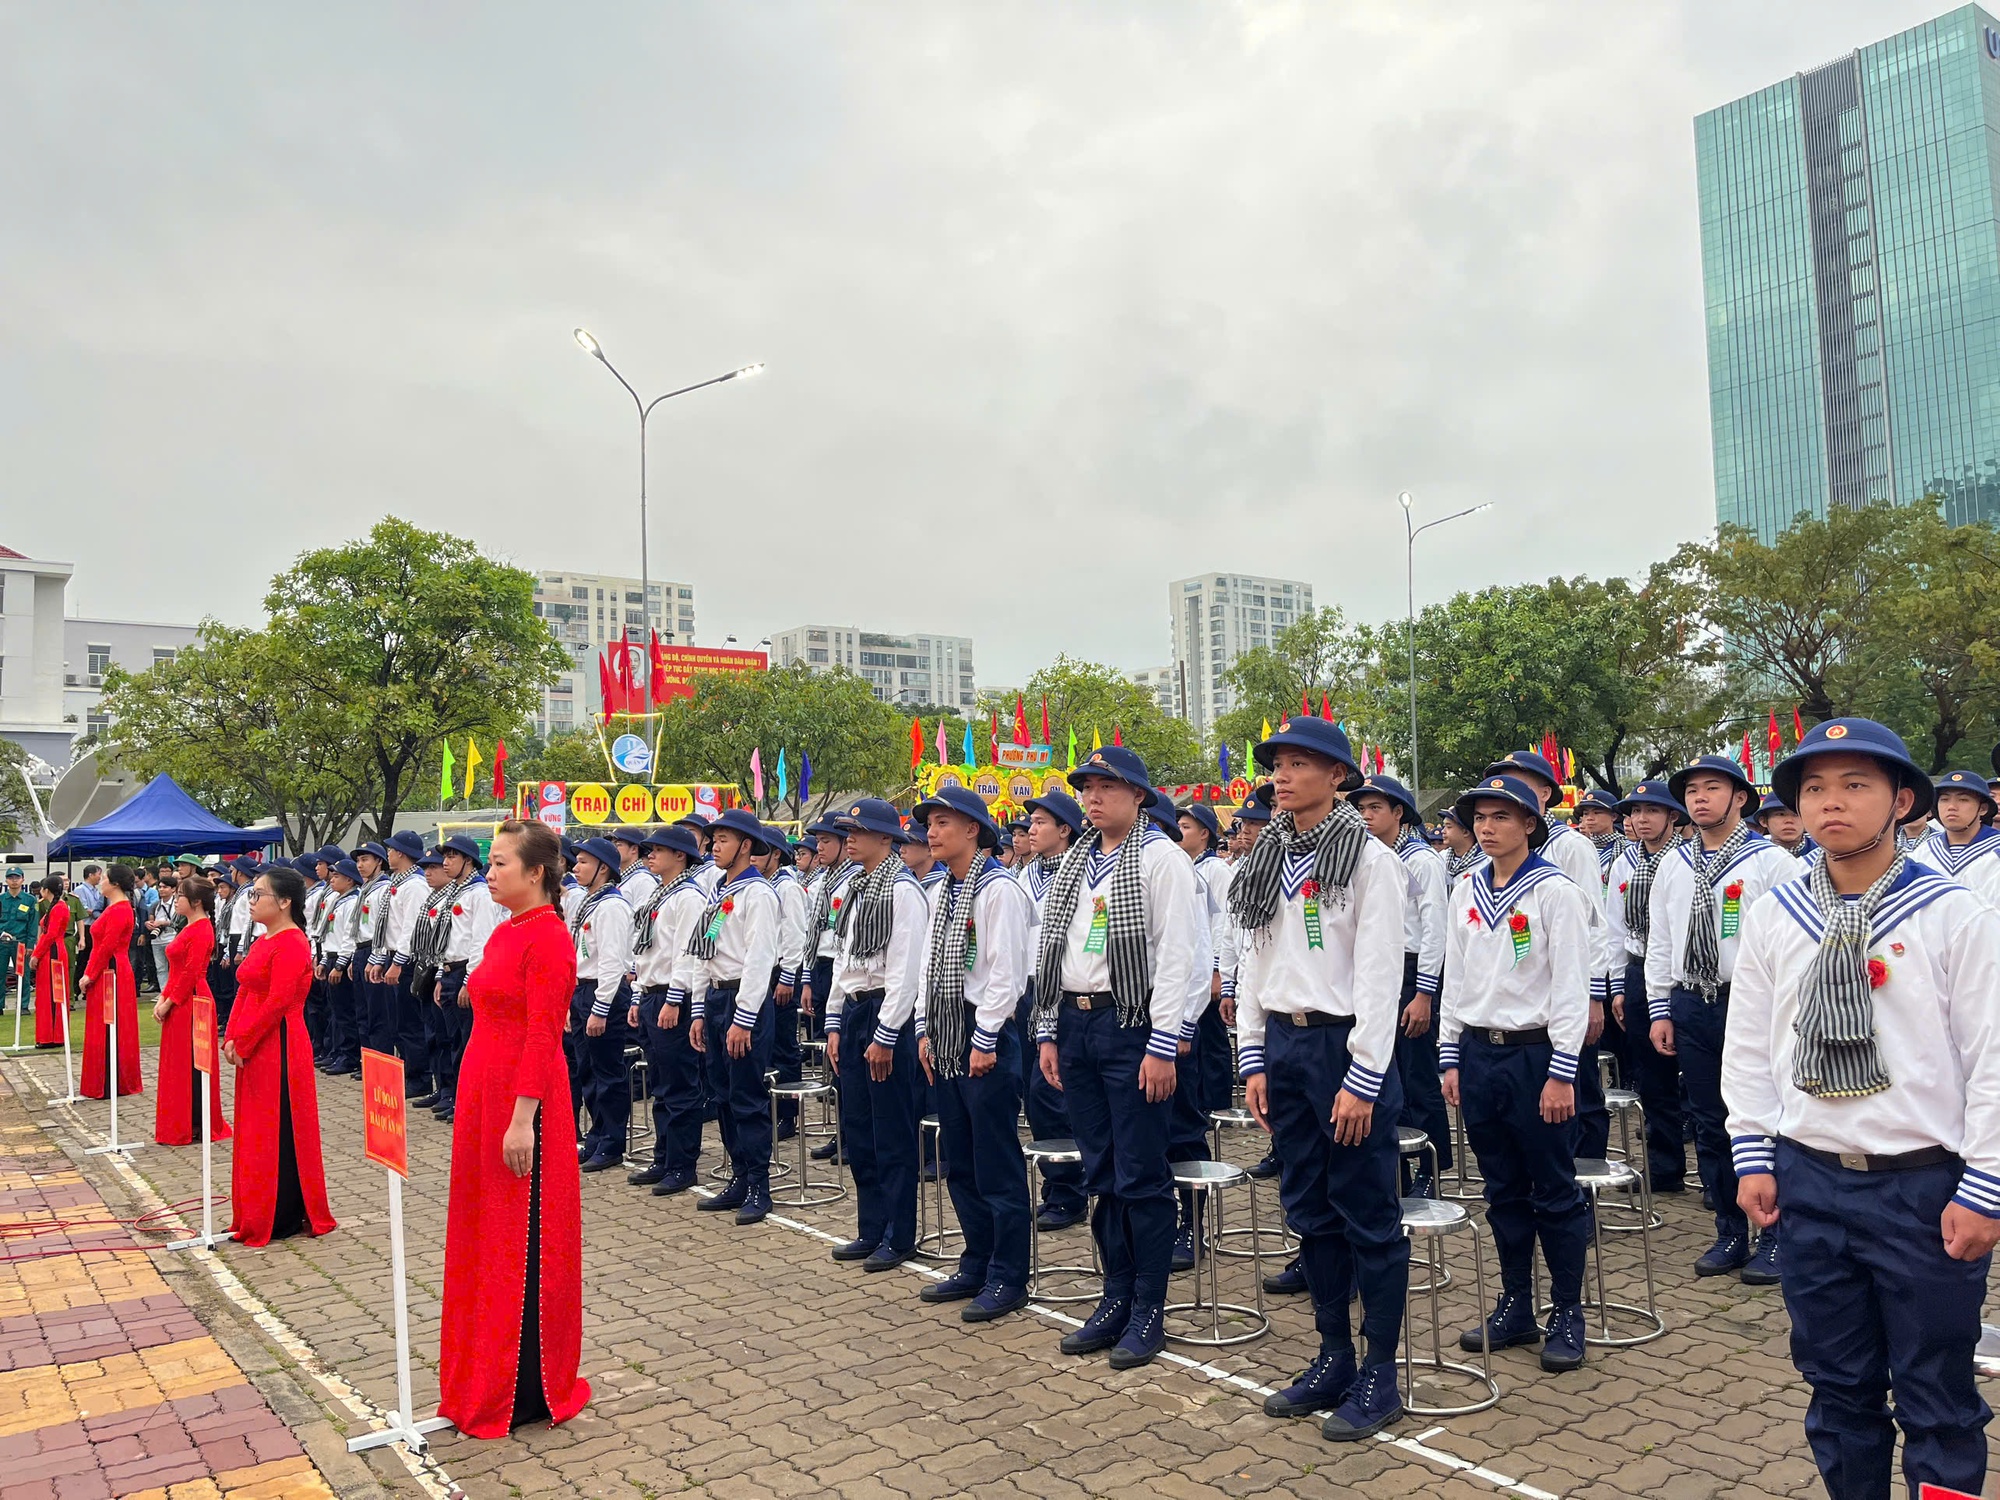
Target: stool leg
x: 1213, y: 1207
x: 1030, y: 1166
x: 1479, y: 1282
x: 1597, y: 1264
x: 1256, y: 1252
x: 1646, y: 1251
x: 1409, y: 1358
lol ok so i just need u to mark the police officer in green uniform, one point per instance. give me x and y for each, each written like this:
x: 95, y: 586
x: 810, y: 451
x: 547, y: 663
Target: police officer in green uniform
x: 18, y: 930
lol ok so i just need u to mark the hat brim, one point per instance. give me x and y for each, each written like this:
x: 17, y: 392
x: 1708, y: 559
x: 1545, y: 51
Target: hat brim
x: 1982, y: 792
x: 1404, y: 805
x: 1464, y: 808
x: 1266, y: 753
x: 989, y: 831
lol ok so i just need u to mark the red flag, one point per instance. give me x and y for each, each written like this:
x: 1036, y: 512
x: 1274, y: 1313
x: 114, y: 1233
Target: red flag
x: 996, y: 737
x: 499, y: 770
x: 657, y: 686
x: 1378, y: 760
x: 1325, y: 708
x: 1117, y: 735
x: 1749, y: 766
x: 1798, y: 727
x: 1777, y: 740
x: 916, y: 741
x: 1020, y: 721
x: 1305, y: 705
x: 604, y: 682
x: 1045, y: 720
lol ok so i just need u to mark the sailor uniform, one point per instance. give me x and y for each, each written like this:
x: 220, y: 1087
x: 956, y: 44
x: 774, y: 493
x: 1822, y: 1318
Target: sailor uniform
x: 1974, y: 865
x: 1187, y: 1132
x: 1212, y: 1058
x: 1863, y: 1181
x: 1572, y: 852
x: 1700, y: 1019
x: 318, y: 893
x: 873, y: 1003
x: 1654, y: 1075
x: 601, y: 931
x: 1048, y: 1114
x: 787, y: 1057
x: 1424, y: 917
x: 374, y: 1001
x: 1318, y: 999
x: 408, y: 896
x: 829, y: 894
x: 668, y: 977
x: 1516, y: 1008
x: 740, y: 925
x: 340, y: 929
x: 469, y: 918
x: 975, y: 964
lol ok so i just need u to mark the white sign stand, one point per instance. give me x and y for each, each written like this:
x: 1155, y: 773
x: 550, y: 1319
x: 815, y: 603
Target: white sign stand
x: 111, y: 1069
x: 206, y: 1239
x: 61, y: 988
x: 21, y: 1003
x: 401, y: 1428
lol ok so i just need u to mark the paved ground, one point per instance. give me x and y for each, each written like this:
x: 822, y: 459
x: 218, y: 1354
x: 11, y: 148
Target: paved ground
x: 743, y: 1363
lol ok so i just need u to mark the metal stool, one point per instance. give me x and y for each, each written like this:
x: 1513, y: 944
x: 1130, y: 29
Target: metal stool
x: 1986, y: 1358
x: 1432, y: 1220
x: 933, y: 1239
x: 1624, y: 1104
x: 1206, y: 1179
x: 1220, y: 1120
x: 1595, y: 1177
x: 1413, y: 1145
x: 723, y: 1170
x: 639, y: 1122
x: 805, y: 1191
x: 1608, y: 1077
x: 1039, y: 1156
x: 1465, y: 1189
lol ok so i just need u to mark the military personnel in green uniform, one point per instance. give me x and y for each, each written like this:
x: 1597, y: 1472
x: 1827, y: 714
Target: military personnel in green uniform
x: 18, y: 930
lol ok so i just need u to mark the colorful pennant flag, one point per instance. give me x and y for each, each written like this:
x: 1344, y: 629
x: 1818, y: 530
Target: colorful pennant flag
x: 500, y: 771
x: 1225, y: 762
x: 1117, y: 735
x: 656, y: 687
x: 1096, y: 739
x: 1325, y: 708
x: 1749, y: 765
x: 1798, y: 726
x: 940, y: 741
x: 1072, y: 747
x: 1021, y: 721
x: 784, y: 781
x: 805, y: 777
x: 916, y: 742
x: 994, y: 737
x: 1776, y: 740
x: 444, y: 777
x: 1305, y: 705
x: 757, y: 774
x: 1045, y: 720
x: 1267, y: 729
x: 471, y: 765
x: 965, y: 750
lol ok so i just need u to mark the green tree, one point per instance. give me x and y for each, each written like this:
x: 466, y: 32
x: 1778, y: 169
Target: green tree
x: 419, y: 639
x: 1091, y: 698
x: 14, y: 810
x: 1317, y: 654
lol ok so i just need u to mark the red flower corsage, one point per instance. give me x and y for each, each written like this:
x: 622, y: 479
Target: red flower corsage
x: 836, y: 903
x: 1733, y: 891
x: 1621, y: 886
x: 458, y: 911
x: 586, y: 927
x: 729, y: 905
x: 1518, y: 922
x: 1472, y: 915
x: 1310, y: 890
x: 1878, y: 973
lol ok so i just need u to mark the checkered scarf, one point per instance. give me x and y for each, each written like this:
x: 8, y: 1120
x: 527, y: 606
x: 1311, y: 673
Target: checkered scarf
x: 643, y: 918
x: 700, y: 944
x: 823, y: 906
x: 1702, y: 960
x: 1464, y: 864
x: 1335, y: 843
x: 1639, y: 891
x: 1125, y: 952
x: 1836, y: 1057
x: 944, y: 990
x: 869, y: 912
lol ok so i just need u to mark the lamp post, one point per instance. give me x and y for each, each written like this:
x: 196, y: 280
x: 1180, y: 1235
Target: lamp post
x: 595, y: 350
x: 1411, y: 533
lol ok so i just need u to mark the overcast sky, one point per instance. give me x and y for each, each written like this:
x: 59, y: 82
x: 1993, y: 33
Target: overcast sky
x: 1059, y: 302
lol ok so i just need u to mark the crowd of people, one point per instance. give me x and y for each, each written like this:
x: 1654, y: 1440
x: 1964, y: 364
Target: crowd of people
x: 1799, y: 983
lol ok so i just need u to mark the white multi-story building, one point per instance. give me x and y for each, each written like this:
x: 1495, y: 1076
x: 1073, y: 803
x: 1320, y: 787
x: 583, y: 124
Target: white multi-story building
x: 1161, y: 682
x: 92, y: 647
x: 1216, y: 618
x: 585, y: 612
x: 903, y: 669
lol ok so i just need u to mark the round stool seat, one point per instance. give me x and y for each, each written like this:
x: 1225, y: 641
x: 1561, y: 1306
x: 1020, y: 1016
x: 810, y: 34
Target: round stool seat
x: 1410, y: 1140
x: 806, y: 1089
x: 1433, y: 1216
x: 1604, y: 1176
x: 1620, y: 1099
x: 1052, y: 1151
x: 1232, y: 1119
x: 1986, y: 1358
x: 1204, y: 1174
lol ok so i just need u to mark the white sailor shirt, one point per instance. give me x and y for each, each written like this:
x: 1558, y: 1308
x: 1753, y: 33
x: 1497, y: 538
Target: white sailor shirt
x: 1976, y: 865
x: 667, y: 964
x: 603, y: 937
x: 1198, y: 977
x: 1507, y: 980
x: 746, y: 949
x: 1758, y: 866
x: 794, y: 916
x: 896, y: 970
x: 825, y: 943
x: 473, y: 916
x: 412, y: 891
x: 1621, y: 945
x: 1002, y: 953
x: 1424, y: 920
x: 1937, y: 1033
x: 1357, y: 969
x: 1215, y: 876
x: 343, y: 928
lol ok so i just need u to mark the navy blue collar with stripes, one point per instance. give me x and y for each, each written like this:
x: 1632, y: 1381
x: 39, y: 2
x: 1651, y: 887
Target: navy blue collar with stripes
x: 1917, y: 887
x: 1097, y: 865
x: 1940, y: 850
x: 1693, y: 854
x: 1495, y: 904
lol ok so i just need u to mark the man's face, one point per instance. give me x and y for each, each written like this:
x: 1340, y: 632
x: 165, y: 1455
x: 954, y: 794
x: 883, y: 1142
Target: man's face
x: 1305, y: 780
x: 1646, y: 823
x: 1959, y: 811
x: 369, y: 866
x: 917, y: 856
x: 1047, y: 834
x: 1383, y: 817
x: 1194, y: 836
x: 1711, y: 799
x: 588, y: 868
x: 1782, y: 824
x: 657, y: 860
x: 1109, y: 802
x: 729, y: 844
x: 628, y: 853
x: 456, y: 865
x: 435, y: 877
x: 1456, y: 839
x: 829, y: 846
x: 13, y: 885
x: 951, y: 835
x: 1595, y: 821
x: 1846, y: 801
x: 1501, y: 828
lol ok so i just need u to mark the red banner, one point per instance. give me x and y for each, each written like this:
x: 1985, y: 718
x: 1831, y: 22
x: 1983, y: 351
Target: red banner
x: 386, y: 1141
x: 675, y: 666
x: 204, y: 1033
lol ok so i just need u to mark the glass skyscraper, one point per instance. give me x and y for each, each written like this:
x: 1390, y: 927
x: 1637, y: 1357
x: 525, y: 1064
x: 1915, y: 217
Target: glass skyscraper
x: 1850, y: 257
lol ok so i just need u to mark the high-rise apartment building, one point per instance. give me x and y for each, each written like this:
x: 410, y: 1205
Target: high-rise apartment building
x: 908, y: 670
x: 1851, y: 274
x: 1159, y: 681
x: 1216, y: 618
x: 586, y: 611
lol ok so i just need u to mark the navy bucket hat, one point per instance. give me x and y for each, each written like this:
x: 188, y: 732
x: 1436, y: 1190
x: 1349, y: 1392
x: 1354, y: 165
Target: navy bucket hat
x: 967, y: 804
x: 1117, y: 763
x: 1059, y: 805
x: 1853, y: 737
x: 1652, y: 794
x: 1713, y: 765
x: 1972, y: 784
x: 681, y: 840
x: 1391, y: 788
x: 738, y: 820
x: 873, y: 815
x: 1316, y: 735
x: 1512, y: 790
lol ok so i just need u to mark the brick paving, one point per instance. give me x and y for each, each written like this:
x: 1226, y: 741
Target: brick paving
x: 744, y: 1363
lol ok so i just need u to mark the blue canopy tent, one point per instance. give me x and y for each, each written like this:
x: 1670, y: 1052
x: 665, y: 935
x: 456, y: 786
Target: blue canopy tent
x: 161, y: 819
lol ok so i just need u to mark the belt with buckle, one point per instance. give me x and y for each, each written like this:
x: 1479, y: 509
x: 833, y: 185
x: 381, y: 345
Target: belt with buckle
x: 1862, y: 1161
x: 1089, y: 999
x: 1314, y: 1018
x: 1499, y: 1037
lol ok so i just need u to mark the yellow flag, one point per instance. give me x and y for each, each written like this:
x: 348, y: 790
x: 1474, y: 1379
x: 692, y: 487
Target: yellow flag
x: 1267, y: 729
x: 471, y: 760
x: 1096, y: 740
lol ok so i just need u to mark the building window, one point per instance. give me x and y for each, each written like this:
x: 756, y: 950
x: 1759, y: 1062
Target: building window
x: 633, y: 596
x: 100, y: 660
x: 651, y: 589
x: 98, y: 721
x: 163, y: 656
x: 684, y: 594
x: 565, y: 684
x: 815, y: 654
x: 581, y: 593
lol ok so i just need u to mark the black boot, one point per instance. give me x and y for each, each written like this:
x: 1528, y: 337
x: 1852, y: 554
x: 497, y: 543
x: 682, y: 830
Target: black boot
x: 730, y: 1197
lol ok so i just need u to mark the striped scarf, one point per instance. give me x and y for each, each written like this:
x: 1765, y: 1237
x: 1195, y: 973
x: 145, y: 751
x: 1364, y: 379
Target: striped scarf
x: 823, y: 907
x: 1836, y: 1056
x: 700, y: 944
x: 434, y: 926
x: 1702, y: 960
x: 953, y: 951
x: 1335, y: 844
x: 644, y: 918
x: 1464, y: 864
x: 1126, y: 955
x: 868, y: 915
x: 1639, y: 891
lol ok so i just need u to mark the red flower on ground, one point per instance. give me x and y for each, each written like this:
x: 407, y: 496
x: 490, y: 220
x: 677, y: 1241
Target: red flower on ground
x: 1878, y: 973
x: 1518, y: 922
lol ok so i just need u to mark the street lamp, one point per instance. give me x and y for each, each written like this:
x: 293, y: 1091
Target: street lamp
x: 595, y: 350
x: 1411, y: 533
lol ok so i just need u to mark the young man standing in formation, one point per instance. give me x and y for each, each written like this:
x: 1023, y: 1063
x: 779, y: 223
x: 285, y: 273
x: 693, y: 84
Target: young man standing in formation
x: 664, y: 1012
x: 1054, y: 821
x: 1117, y: 948
x: 1863, y: 1077
x: 601, y: 930
x: 1966, y: 845
x: 1650, y: 813
x: 1320, y: 905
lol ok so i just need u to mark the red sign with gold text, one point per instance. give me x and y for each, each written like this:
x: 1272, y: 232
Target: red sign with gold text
x: 680, y: 663
x: 204, y: 1033
x: 387, y: 1142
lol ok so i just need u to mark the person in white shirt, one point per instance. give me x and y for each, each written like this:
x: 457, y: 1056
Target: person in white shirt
x: 918, y: 859
x: 736, y: 940
x: 663, y: 1012
x: 1213, y: 1059
x: 601, y: 930
x: 1187, y: 1133
x: 1319, y: 904
x: 1054, y: 821
x: 1966, y: 847
x: 389, y: 963
x: 834, y: 869
x: 1700, y: 894
x: 315, y: 867
x: 375, y: 1012
x: 1862, y: 1071
x: 467, y: 921
x: 871, y: 1038
x: 1111, y: 982
x: 787, y: 1053
x: 1651, y: 815
x: 572, y: 888
x: 1386, y: 805
x: 975, y: 966
x: 342, y: 936
x: 1516, y: 1008
x: 1783, y: 827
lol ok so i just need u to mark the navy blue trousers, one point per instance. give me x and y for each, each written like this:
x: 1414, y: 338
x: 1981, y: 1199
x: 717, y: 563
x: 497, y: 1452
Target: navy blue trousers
x: 376, y: 1005
x: 1124, y: 1144
x: 1656, y: 1078
x: 412, y: 1031
x: 736, y: 1084
x: 673, y: 1079
x: 1698, y: 1028
x: 1341, y: 1201
x: 787, y: 1058
x: 454, y: 1031
x: 878, y: 1127
x: 343, y: 1048
x: 1876, y: 1304
x: 1529, y: 1165
x: 1218, y: 1062
x: 1417, y: 1068
x: 983, y: 1168
x: 1593, y: 1119
x: 1048, y: 1115
x: 598, y: 1063
x: 819, y: 981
